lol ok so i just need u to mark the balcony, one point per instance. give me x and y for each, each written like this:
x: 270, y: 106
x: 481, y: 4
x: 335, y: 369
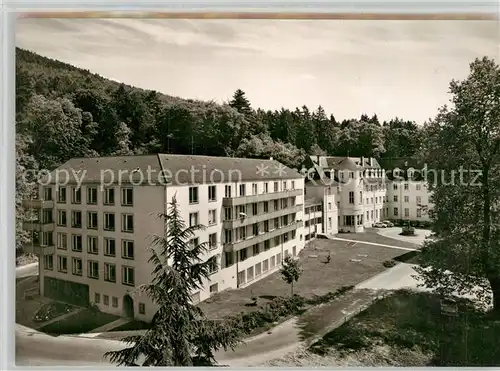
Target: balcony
x: 37, y: 204
x: 249, y: 220
x: 37, y: 226
x: 37, y: 249
x: 243, y: 244
x: 236, y: 201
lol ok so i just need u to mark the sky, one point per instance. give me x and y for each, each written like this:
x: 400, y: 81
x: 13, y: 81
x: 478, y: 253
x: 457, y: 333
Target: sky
x: 351, y: 67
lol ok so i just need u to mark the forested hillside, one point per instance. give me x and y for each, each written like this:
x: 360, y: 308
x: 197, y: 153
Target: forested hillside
x: 64, y: 112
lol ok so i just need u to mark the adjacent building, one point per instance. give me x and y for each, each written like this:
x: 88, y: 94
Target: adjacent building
x: 96, y: 218
x: 352, y: 193
x: 408, y: 196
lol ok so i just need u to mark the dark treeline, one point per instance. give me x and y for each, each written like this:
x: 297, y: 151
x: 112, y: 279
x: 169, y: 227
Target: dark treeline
x: 64, y: 112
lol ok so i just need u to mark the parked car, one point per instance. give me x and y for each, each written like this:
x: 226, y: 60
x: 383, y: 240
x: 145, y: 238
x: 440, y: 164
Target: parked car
x: 379, y: 225
x: 388, y: 223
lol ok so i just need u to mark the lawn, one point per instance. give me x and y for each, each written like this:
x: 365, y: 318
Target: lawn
x: 411, y: 257
x: 81, y: 322
x: 132, y: 326
x: 408, y: 323
x: 350, y: 264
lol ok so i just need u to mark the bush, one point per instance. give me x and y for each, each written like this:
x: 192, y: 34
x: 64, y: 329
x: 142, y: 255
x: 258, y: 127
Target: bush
x: 408, y: 231
x: 50, y: 311
x: 274, y: 310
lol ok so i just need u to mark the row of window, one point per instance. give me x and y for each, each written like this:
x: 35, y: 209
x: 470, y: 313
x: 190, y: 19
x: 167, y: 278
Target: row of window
x: 127, y: 246
x: 253, y: 272
x: 127, y: 195
x: 255, y: 229
x: 407, y: 199
x: 114, y: 302
x: 407, y: 212
x: 377, y: 199
x: 375, y: 187
x: 313, y: 221
x: 93, y: 269
x: 92, y: 221
x: 244, y: 254
x: 406, y: 186
x: 374, y: 215
x: 242, y: 190
x: 258, y: 208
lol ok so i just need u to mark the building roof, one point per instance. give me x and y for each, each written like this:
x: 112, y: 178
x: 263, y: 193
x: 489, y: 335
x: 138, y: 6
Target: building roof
x: 403, y: 168
x: 345, y: 162
x: 161, y: 169
x: 312, y: 201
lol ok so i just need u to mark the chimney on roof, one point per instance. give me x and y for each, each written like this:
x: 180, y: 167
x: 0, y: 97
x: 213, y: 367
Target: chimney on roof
x: 317, y: 159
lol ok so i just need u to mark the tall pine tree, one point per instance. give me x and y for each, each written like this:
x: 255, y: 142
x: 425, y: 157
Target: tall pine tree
x: 180, y: 335
x: 241, y: 103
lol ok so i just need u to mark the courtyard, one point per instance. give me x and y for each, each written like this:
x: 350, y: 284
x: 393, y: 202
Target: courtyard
x: 351, y: 263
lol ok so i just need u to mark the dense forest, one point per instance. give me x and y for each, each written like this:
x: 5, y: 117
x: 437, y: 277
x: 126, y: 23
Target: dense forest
x: 63, y: 112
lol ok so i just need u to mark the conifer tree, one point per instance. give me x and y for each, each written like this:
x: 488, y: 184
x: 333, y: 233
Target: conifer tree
x: 180, y: 335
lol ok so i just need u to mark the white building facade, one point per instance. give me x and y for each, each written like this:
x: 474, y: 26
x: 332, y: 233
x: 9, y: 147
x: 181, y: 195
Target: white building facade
x: 93, y: 232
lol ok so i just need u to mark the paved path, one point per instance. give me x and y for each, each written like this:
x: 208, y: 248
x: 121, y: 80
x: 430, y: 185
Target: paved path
x: 34, y: 348
x: 40, y: 349
x: 375, y: 244
x: 27, y: 270
x: 110, y: 326
x: 394, y: 233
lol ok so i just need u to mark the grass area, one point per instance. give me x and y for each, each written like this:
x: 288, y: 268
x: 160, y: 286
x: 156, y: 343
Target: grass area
x: 409, y: 322
x: 350, y: 264
x: 81, y: 322
x: 132, y: 326
x: 411, y: 257
x: 52, y: 310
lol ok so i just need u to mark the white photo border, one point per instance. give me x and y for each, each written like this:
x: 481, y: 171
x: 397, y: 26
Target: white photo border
x: 9, y: 9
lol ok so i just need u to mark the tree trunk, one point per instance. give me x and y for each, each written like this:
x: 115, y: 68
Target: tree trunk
x: 495, y: 288
x: 292, y: 288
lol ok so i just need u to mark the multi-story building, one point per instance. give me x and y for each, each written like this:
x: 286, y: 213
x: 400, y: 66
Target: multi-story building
x: 408, y: 196
x: 313, y: 217
x: 97, y: 216
x: 358, y: 186
x: 365, y: 192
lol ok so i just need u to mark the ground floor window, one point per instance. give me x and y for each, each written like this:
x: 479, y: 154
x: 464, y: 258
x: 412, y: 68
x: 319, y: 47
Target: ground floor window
x: 250, y: 274
x: 265, y: 265
x: 349, y: 220
x: 258, y: 269
x: 241, y: 278
x: 48, y: 262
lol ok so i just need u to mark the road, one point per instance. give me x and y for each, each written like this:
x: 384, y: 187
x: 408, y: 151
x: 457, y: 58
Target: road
x: 37, y: 349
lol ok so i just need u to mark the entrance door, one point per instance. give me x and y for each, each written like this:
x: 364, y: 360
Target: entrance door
x: 128, y: 306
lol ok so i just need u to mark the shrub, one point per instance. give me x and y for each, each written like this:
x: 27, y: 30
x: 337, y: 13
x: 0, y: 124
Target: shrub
x: 389, y: 263
x: 277, y: 308
x: 50, y: 311
x: 408, y: 231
